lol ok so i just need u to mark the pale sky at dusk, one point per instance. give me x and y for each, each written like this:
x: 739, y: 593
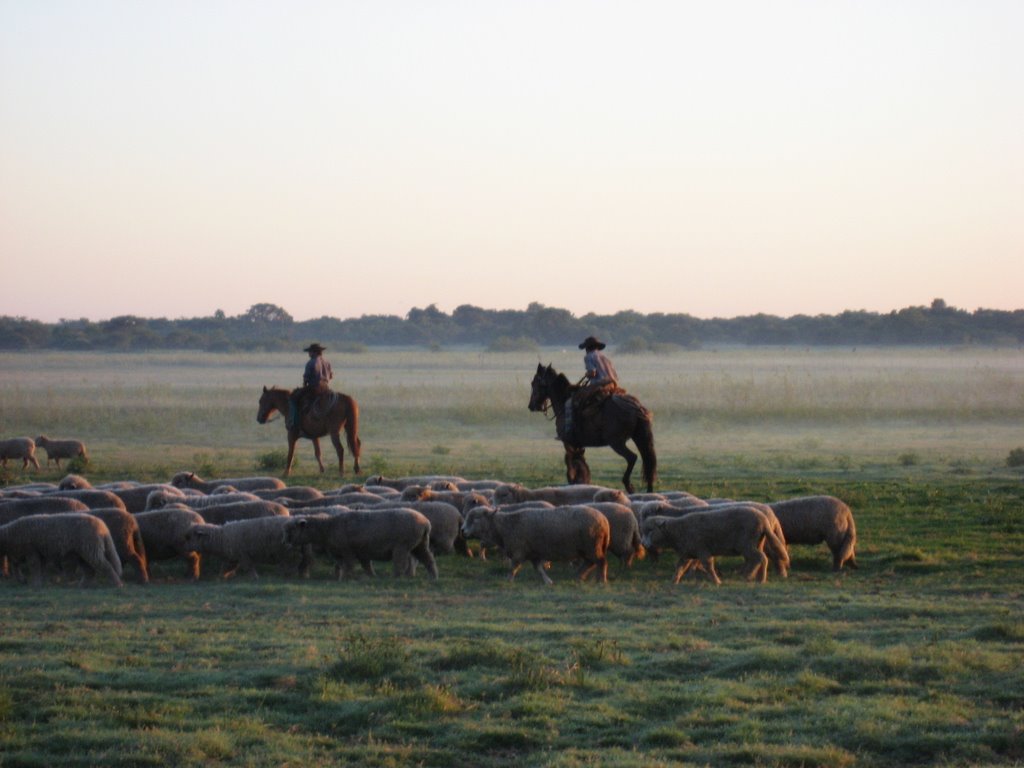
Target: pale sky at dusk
x: 168, y: 159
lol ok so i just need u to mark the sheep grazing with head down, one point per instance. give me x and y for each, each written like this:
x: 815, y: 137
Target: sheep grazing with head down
x: 701, y: 536
x: 36, y: 540
x: 93, y: 498
x: 61, y: 449
x: 445, y: 524
x: 539, y: 536
x: 23, y: 448
x: 163, y: 535
x: 247, y: 543
x: 559, y: 495
x: 816, y: 519
x: 357, y: 536
x: 192, y: 480
x: 625, y: 541
x: 221, y: 514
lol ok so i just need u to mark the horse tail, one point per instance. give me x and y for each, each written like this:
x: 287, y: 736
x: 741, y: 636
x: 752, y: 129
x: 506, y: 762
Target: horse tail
x: 643, y: 436
x: 352, y: 433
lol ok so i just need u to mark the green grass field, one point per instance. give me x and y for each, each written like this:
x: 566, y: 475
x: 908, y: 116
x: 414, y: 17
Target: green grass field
x: 914, y: 659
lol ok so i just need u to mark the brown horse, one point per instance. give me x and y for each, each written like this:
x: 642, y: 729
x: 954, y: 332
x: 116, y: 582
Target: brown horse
x: 343, y: 413
x: 620, y: 418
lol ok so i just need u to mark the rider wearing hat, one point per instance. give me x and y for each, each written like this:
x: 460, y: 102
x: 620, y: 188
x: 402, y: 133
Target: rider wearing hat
x: 316, y: 378
x: 600, y: 380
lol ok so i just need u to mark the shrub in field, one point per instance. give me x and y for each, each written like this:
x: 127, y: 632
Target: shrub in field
x: 1016, y: 458
x: 908, y: 459
x: 510, y: 344
x: 273, y: 460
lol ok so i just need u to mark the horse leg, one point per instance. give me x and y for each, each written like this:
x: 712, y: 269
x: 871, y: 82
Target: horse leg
x: 336, y: 442
x: 291, y: 454
x: 316, y: 452
x: 623, y: 450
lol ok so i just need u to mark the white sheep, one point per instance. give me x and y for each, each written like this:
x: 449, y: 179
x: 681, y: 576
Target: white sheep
x: 539, y: 536
x: 814, y: 519
x: 246, y: 543
x: 61, y: 449
x: 701, y: 536
x: 39, y: 539
x: 23, y: 448
x: 192, y: 480
x: 163, y: 535
x: 559, y: 495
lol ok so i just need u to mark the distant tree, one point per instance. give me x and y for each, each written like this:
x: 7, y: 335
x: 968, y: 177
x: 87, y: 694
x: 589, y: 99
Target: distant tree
x: 267, y: 313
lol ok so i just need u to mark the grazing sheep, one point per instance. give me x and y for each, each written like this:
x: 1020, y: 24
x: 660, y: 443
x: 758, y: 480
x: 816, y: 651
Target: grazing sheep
x: 124, y: 530
x: 61, y: 449
x: 163, y: 535
x: 437, y: 482
x: 814, y: 519
x: 221, y: 514
x: 38, y: 539
x: 192, y: 480
x: 135, y: 497
x: 73, y: 482
x: 246, y: 543
x: 700, y: 536
x: 461, y: 500
x: 14, y: 509
x: 93, y: 498
x: 159, y: 497
x: 445, y: 524
x: 542, y: 535
x: 559, y: 495
x: 289, y: 494
x: 625, y: 531
x: 23, y: 448
x: 362, y: 536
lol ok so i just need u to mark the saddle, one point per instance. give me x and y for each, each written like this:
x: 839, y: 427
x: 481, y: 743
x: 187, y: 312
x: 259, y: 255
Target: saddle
x: 320, y: 403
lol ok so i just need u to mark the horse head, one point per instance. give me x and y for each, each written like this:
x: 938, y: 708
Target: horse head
x: 268, y: 404
x: 542, y: 387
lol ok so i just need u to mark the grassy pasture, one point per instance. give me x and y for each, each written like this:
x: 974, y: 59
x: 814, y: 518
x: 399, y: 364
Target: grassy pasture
x: 915, y: 659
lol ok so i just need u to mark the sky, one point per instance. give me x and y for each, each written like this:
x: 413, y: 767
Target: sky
x: 719, y: 159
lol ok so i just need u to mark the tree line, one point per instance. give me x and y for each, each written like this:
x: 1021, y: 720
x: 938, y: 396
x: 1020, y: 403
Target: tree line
x: 268, y: 327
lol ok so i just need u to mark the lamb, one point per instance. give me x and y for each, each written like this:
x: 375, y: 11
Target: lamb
x: 700, y: 536
x: 62, y: 449
x: 814, y: 519
x: 163, y: 535
x: 192, y: 480
x: 23, y: 448
x: 37, y: 539
x: 361, y: 536
x: 124, y: 530
x: 543, y: 535
x: 559, y: 495
x: 246, y: 543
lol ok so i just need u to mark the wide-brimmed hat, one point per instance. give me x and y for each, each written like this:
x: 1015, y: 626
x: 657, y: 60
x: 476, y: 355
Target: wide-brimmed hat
x: 592, y: 343
x: 314, y: 347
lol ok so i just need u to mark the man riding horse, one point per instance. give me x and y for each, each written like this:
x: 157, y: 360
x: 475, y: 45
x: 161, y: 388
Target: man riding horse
x: 316, y: 379
x: 599, y: 383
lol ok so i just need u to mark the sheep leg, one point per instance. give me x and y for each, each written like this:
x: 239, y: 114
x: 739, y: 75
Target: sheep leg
x: 709, y: 565
x: 538, y: 566
x: 192, y: 565
x: 683, y: 565
x: 757, y: 565
x: 316, y: 452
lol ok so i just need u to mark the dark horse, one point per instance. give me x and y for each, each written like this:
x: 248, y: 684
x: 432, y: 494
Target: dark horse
x: 620, y: 418
x: 341, y: 413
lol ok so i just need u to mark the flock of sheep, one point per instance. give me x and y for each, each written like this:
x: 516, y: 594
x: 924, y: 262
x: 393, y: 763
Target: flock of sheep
x: 250, y: 522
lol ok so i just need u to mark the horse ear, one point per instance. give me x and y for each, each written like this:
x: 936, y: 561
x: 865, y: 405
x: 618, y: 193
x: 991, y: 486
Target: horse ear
x: 264, y: 387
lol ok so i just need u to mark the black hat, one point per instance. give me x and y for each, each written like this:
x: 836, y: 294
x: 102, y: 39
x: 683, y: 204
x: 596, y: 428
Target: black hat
x: 314, y: 347
x: 591, y: 343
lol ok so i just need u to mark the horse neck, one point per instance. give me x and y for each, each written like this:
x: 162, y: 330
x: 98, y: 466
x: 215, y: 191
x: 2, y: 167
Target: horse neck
x: 559, y: 389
